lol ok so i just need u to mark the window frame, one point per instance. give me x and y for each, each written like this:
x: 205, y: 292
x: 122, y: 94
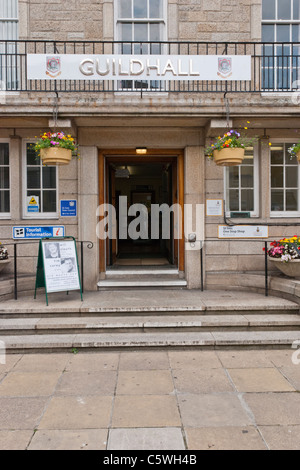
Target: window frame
x: 40, y: 215
x: 287, y: 61
x: 118, y: 20
x: 283, y: 214
x: 256, y: 185
x: 7, y: 215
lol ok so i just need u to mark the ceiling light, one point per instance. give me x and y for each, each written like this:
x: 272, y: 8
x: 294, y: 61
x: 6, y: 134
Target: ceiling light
x: 141, y: 150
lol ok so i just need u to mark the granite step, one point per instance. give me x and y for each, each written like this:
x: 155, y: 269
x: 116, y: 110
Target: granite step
x: 157, y: 324
x: 209, y: 340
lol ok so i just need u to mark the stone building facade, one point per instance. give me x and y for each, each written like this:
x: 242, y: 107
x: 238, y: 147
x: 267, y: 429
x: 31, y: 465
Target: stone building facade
x: 175, y: 125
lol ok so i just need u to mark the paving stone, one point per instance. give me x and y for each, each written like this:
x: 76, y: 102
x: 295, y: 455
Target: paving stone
x: 224, y: 438
x: 281, y: 437
x: 144, y: 360
x: 93, y: 361
x: 146, y: 439
x: 274, y: 408
x: 81, y: 439
x: 82, y: 412
x: 87, y: 383
x: 281, y: 358
x: 201, y: 381
x: 31, y: 384
x: 15, y: 440
x: 239, y: 358
x: 141, y: 382
x: 292, y: 374
x: 142, y: 411
x: 21, y: 413
x: 194, y: 360
x: 212, y: 410
x: 259, y: 380
x: 11, y: 360
x: 42, y: 362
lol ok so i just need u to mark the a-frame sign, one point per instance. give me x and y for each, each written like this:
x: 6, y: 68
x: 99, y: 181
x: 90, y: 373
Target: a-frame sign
x: 57, y: 266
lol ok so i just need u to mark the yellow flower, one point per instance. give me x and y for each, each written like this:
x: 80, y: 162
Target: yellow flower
x: 246, y: 128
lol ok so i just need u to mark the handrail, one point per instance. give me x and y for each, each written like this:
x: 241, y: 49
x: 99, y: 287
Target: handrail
x: 265, y: 249
x: 88, y: 243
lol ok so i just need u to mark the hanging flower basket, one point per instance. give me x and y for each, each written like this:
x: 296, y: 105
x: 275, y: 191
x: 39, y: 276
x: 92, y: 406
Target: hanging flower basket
x: 229, y: 156
x: 229, y: 150
x: 294, y: 151
x: 55, y: 148
x: 56, y: 156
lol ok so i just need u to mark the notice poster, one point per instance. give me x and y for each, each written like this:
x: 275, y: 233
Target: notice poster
x: 60, y: 265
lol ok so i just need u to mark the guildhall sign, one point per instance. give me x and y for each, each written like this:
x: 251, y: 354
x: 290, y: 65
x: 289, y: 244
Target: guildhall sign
x: 143, y: 67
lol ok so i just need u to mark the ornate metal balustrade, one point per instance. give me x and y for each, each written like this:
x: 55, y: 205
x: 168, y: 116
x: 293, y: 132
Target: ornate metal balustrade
x: 275, y: 66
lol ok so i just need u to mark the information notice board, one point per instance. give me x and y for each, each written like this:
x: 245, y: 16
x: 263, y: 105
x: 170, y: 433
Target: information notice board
x: 57, y: 268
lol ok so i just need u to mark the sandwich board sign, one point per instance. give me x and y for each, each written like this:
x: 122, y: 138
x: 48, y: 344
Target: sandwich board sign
x: 57, y: 267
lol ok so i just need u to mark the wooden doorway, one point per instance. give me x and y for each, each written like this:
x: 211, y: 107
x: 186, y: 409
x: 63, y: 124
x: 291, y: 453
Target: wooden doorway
x: 109, y: 192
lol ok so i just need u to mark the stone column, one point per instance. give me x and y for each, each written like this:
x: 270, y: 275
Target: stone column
x: 194, y: 184
x: 15, y: 160
x: 265, y: 179
x: 87, y: 219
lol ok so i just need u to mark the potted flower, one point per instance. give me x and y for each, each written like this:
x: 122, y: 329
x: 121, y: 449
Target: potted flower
x: 3, y: 257
x: 55, y: 148
x: 286, y: 254
x: 294, y: 151
x: 229, y: 150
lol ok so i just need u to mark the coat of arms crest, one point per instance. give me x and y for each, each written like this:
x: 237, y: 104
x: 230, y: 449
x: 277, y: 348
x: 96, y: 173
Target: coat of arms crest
x: 224, y: 67
x: 53, y: 67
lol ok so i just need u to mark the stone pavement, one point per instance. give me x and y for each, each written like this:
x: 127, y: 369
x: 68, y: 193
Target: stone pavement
x: 151, y: 400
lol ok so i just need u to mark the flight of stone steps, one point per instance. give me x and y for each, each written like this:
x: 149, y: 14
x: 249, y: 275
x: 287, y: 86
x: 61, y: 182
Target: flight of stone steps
x: 73, y: 329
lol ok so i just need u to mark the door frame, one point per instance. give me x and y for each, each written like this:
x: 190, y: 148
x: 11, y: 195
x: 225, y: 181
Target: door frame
x: 106, y: 156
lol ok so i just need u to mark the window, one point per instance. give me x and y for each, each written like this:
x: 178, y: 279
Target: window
x: 280, y: 62
x: 138, y: 22
x: 40, y: 195
x: 284, y: 182
x: 8, y: 32
x: 4, y: 180
x: 241, y: 185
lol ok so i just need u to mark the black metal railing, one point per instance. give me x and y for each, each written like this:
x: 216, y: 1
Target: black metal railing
x: 16, y: 256
x: 275, y: 66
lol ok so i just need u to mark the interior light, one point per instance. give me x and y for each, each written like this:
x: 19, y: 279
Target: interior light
x: 141, y: 150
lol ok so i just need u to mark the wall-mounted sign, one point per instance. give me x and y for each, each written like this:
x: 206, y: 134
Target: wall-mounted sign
x: 214, y: 207
x: 142, y: 67
x: 32, y: 233
x: 243, y: 231
x: 33, y: 204
x: 68, y: 208
x: 57, y: 267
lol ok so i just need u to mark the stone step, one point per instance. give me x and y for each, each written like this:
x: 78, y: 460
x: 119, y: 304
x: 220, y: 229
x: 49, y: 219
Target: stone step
x: 215, y: 340
x: 53, y: 310
x: 158, y: 324
x: 167, y: 282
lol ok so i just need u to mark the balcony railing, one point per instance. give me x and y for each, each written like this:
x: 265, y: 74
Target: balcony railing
x: 275, y: 66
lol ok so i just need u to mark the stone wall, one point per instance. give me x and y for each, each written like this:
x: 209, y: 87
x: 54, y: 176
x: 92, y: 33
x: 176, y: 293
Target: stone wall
x: 188, y: 20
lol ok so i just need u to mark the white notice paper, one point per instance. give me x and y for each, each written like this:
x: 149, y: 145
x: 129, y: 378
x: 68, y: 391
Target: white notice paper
x: 60, y: 265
